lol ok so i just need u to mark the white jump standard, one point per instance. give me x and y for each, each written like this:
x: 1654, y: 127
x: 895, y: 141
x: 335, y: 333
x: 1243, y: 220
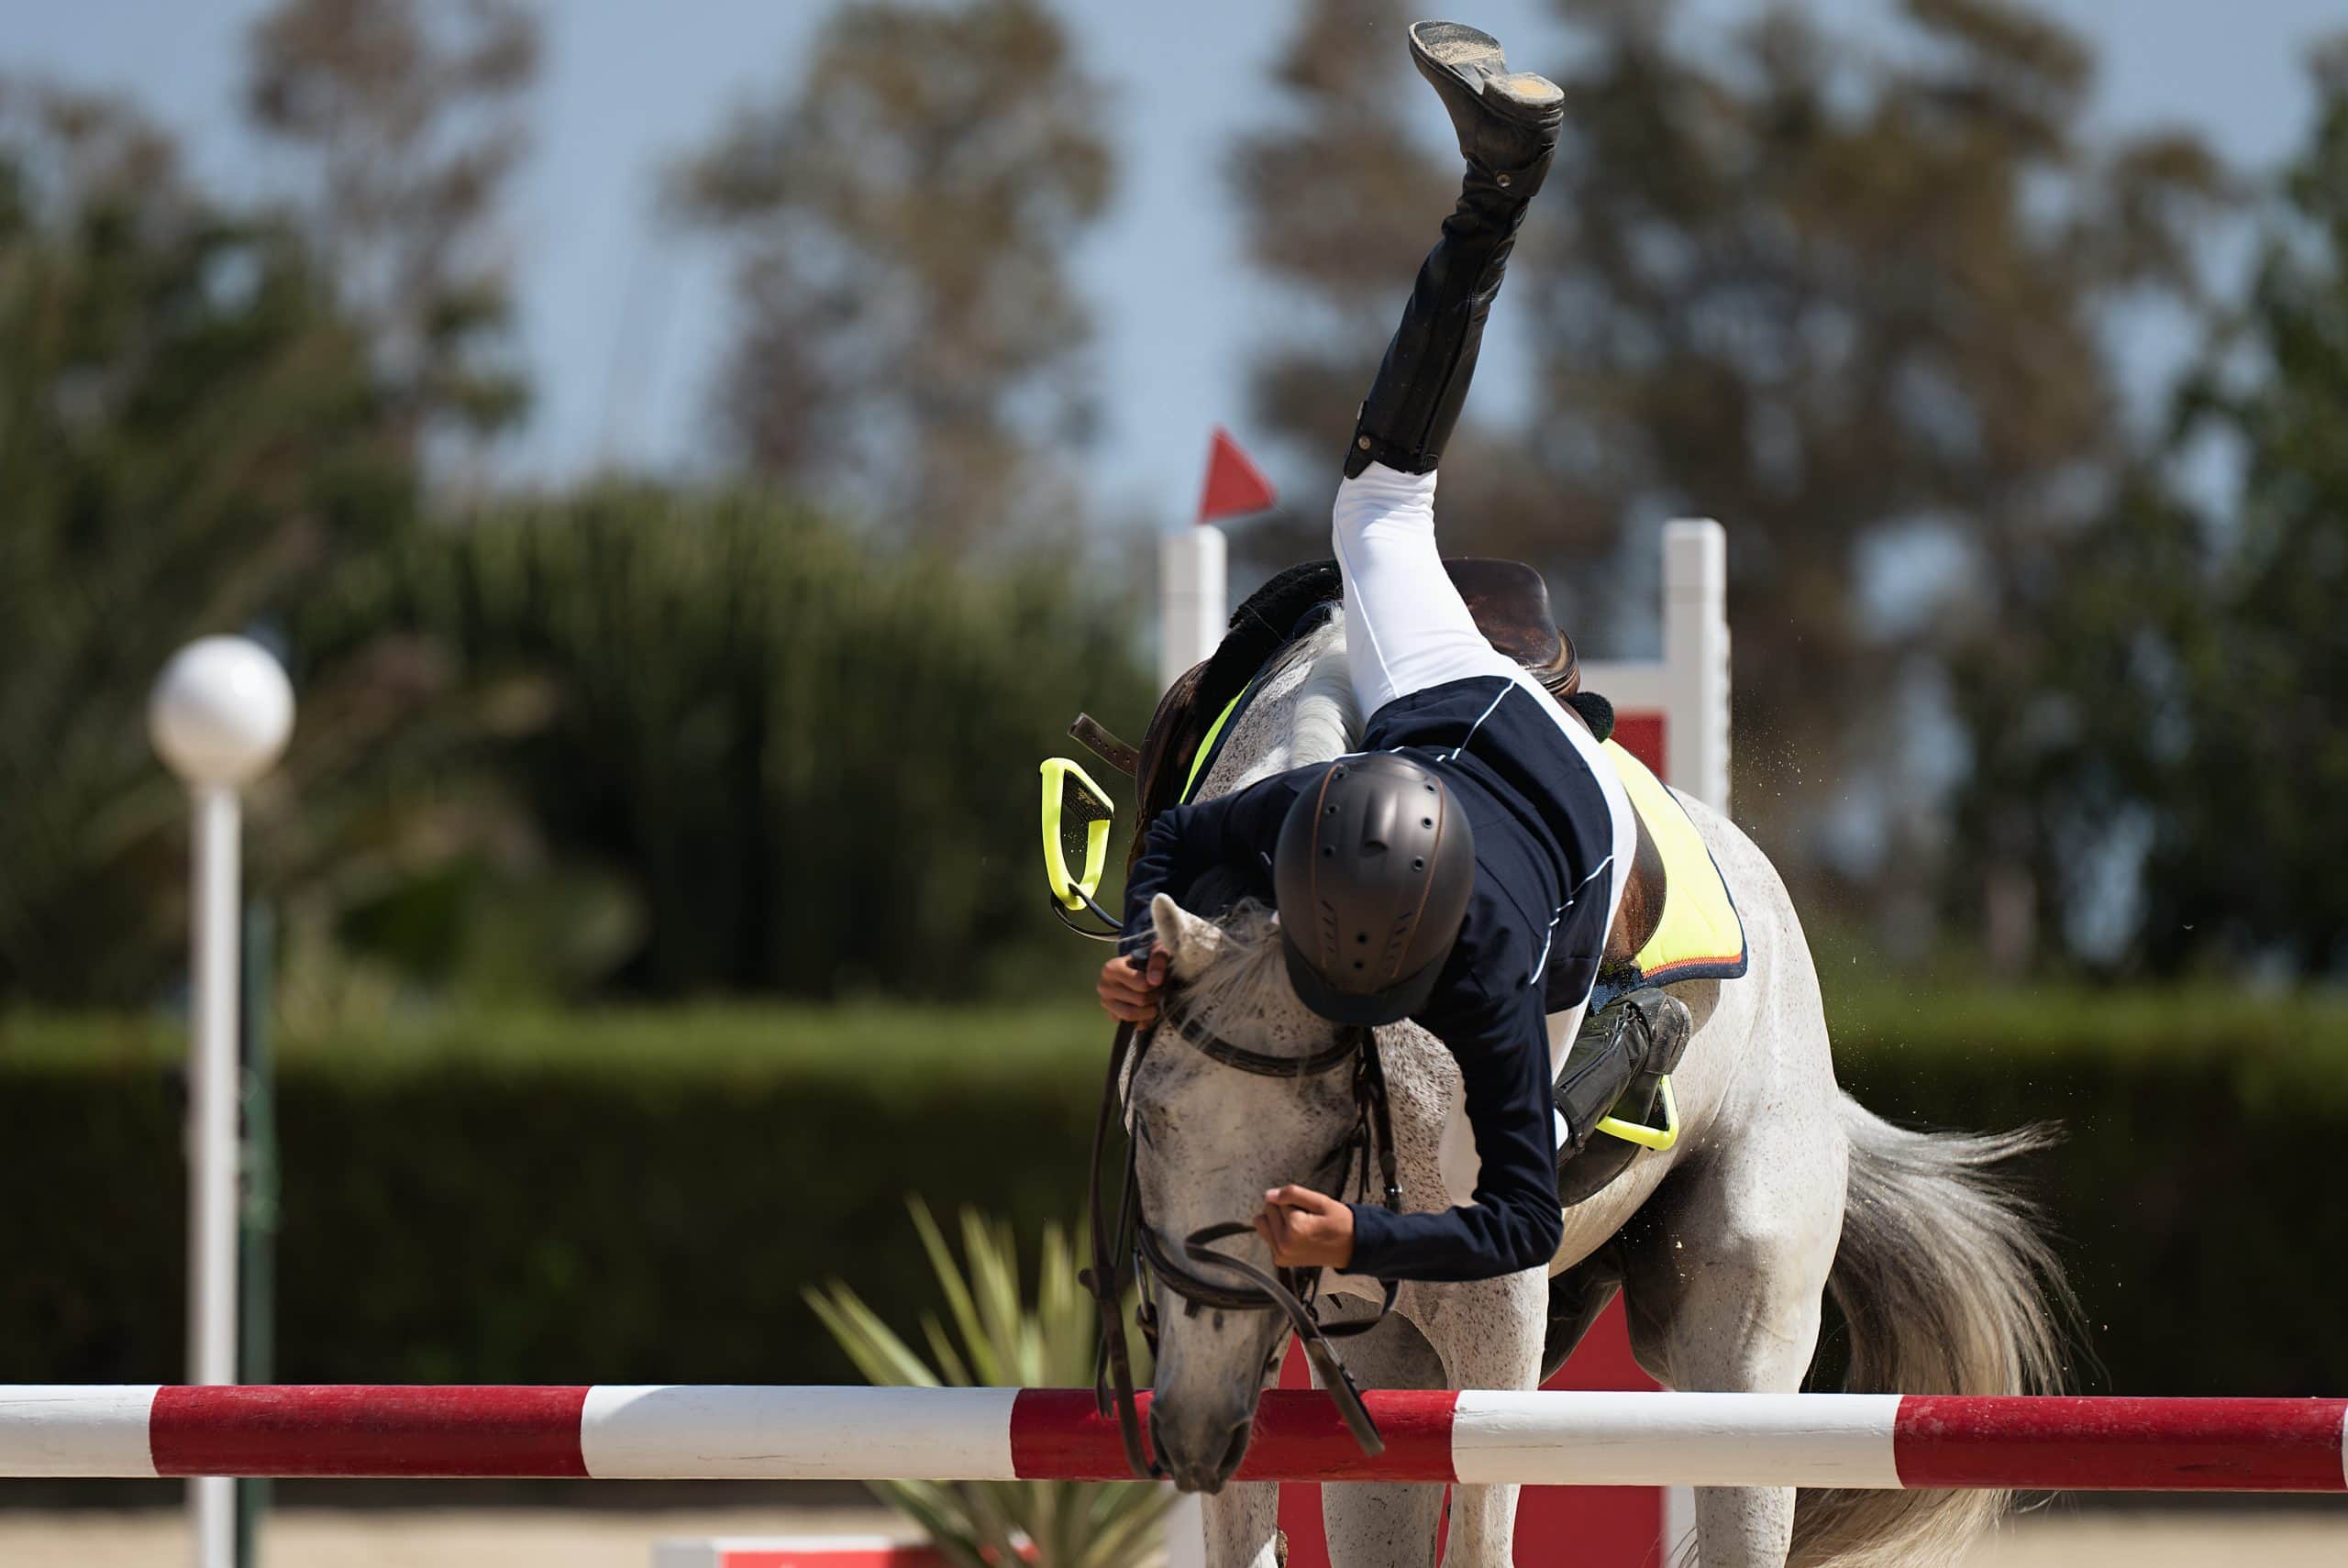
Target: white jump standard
x: 744, y: 1433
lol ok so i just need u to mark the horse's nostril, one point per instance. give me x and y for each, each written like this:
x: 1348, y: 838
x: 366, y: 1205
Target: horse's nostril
x: 1235, y: 1451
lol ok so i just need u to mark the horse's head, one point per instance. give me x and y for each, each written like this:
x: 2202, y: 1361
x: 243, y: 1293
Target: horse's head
x: 1210, y: 1139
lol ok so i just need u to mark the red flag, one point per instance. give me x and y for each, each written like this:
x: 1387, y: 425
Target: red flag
x: 1235, y: 484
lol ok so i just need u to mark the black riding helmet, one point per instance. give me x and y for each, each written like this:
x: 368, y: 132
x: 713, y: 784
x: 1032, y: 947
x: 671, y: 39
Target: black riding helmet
x: 1373, y: 870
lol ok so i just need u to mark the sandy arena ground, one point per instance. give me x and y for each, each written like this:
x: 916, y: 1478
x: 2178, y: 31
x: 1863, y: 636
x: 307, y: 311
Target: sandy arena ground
x: 319, y: 1538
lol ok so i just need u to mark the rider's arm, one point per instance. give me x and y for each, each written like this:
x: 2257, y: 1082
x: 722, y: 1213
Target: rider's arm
x: 1184, y: 841
x: 1502, y: 1048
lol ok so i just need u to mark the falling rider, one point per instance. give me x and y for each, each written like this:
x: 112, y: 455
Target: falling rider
x: 1463, y: 869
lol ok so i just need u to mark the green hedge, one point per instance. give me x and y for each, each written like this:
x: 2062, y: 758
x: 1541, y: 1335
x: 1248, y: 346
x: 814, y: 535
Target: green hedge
x: 643, y: 1195
x: 613, y: 1197
x: 2196, y: 1196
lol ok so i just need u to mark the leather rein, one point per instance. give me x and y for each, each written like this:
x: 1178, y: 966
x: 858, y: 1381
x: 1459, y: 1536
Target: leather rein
x: 1128, y: 1250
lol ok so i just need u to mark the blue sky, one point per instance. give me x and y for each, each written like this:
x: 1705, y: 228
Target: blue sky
x: 626, y: 322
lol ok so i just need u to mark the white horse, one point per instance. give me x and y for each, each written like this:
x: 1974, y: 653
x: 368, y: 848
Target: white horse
x: 1780, y: 1190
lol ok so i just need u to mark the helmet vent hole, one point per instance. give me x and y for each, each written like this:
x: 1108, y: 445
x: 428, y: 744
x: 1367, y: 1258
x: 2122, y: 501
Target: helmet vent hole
x: 1426, y: 821
x: 1328, y: 852
x: 1419, y: 863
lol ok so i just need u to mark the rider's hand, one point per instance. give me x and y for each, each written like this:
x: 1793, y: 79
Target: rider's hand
x: 1305, y: 1228
x: 1129, y: 993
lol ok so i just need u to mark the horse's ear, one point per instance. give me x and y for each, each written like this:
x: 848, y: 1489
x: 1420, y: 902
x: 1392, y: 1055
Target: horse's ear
x: 1189, y: 942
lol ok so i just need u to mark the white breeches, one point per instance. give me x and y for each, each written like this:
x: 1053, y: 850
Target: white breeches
x: 1407, y: 629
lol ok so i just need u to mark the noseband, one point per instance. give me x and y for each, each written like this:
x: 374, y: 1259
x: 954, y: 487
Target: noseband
x: 1131, y: 1252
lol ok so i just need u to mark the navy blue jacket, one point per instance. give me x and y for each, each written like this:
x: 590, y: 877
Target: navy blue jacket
x: 1534, y: 931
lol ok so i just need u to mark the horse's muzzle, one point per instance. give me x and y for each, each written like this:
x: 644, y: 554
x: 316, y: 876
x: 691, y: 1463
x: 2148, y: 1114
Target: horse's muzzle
x: 1199, y: 1458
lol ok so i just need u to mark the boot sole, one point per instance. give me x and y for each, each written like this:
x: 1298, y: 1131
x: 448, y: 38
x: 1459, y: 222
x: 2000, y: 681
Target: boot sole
x: 1454, y: 52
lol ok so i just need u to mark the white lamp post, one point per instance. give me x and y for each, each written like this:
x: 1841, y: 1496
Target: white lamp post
x: 219, y: 717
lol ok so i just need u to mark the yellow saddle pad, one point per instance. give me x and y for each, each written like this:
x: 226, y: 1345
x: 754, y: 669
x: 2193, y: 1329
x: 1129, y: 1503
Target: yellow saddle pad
x: 1700, y: 937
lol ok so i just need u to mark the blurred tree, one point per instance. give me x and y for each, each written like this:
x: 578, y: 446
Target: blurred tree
x: 2256, y: 861
x: 403, y: 118
x: 1851, y: 306
x: 912, y: 344
x: 192, y: 438
x: 2189, y: 710
x: 811, y: 761
x: 2245, y: 860
x: 2079, y: 722
x: 1846, y: 302
x: 681, y: 744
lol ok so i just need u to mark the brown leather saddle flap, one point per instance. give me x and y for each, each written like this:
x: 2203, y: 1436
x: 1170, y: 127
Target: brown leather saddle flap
x: 1641, y: 912
x: 1510, y: 604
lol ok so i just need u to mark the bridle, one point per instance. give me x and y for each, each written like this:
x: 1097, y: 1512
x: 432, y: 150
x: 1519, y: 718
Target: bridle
x: 1128, y: 1250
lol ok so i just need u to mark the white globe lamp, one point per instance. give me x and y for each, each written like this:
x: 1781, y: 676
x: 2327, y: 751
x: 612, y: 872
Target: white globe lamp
x: 221, y: 711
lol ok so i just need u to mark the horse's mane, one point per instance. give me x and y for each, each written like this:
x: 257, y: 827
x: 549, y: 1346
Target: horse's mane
x: 1327, y: 720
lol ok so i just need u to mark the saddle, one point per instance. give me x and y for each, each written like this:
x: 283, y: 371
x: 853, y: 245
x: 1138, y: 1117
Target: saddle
x: 1509, y: 603
x: 1509, y: 600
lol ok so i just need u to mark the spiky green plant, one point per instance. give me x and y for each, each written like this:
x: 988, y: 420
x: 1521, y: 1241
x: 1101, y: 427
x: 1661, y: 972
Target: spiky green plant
x: 990, y: 1337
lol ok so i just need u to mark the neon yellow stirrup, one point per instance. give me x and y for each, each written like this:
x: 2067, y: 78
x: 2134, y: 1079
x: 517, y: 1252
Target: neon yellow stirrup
x: 1638, y: 1132
x: 1076, y: 810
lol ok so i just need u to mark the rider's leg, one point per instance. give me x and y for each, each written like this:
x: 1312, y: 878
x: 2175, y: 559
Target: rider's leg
x: 1610, y: 1047
x: 1609, y: 1052
x: 1507, y: 125
x: 1406, y: 627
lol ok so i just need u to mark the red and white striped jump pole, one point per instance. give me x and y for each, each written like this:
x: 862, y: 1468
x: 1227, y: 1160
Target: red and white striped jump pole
x: 687, y: 1432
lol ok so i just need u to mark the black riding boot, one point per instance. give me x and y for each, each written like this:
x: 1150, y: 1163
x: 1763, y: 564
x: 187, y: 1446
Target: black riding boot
x: 1508, y: 124
x: 1623, y: 1052
x: 1575, y: 1298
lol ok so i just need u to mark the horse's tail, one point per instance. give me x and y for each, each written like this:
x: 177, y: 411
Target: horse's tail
x: 1947, y: 1286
